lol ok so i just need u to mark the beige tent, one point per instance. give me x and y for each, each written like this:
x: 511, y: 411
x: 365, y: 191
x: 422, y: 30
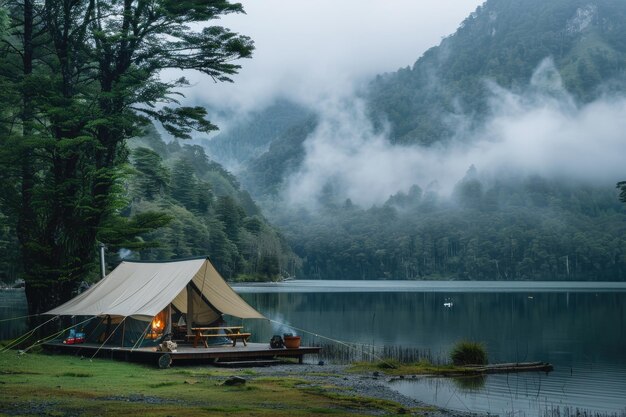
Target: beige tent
x: 141, y: 290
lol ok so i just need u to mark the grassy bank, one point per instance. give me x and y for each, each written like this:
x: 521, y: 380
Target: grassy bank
x: 393, y: 367
x: 39, y: 384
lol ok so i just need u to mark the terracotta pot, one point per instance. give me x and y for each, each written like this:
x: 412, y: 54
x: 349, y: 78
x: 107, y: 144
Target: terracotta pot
x: 292, y: 342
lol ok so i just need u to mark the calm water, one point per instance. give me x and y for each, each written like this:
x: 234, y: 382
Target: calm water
x: 579, y: 327
x: 12, y: 304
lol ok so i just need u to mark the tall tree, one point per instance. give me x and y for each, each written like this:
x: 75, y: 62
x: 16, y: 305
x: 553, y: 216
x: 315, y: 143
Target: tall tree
x: 98, y: 66
x: 621, y: 186
x: 153, y: 178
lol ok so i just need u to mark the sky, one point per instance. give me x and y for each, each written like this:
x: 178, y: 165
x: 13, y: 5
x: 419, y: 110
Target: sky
x: 310, y: 50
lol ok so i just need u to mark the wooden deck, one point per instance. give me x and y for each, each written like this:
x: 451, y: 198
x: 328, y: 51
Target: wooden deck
x: 185, y: 353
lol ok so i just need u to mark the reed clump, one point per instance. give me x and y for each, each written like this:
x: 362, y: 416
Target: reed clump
x: 468, y: 353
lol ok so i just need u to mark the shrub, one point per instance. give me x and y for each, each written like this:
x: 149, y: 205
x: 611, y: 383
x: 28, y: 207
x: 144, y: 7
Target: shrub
x: 468, y: 353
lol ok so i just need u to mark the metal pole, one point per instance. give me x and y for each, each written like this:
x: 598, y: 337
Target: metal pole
x: 168, y: 326
x: 103, y: 268
x: 189, y: 317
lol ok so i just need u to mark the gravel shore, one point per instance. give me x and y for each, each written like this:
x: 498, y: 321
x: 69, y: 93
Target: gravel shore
x: 364, y: 385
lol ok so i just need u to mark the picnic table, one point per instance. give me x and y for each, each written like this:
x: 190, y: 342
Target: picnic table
x: 233, y: 333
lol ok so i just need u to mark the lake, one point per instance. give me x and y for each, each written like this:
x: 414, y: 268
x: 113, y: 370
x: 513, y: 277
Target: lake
x: 12, y: 304
x: 578, y: 327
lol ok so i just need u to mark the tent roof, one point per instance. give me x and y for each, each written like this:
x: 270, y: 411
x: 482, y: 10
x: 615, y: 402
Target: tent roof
x: 143, y: 289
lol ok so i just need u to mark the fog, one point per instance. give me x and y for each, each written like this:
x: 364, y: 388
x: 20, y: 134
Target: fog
x: 540, y: 130
x: 319, y: 53
x: 307, y: 51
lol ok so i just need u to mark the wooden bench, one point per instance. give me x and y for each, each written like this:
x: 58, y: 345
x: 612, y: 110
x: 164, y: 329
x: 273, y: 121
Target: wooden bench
x: 233, y: 333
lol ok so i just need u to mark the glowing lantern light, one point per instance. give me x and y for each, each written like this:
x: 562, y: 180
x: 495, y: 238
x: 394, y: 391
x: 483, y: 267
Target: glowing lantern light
x: 157, y: 325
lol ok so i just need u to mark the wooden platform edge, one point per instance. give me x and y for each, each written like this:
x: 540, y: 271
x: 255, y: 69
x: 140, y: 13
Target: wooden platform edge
x: 200, y: 354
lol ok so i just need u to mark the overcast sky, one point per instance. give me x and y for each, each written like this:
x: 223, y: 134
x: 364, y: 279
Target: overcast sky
x: 311, y: 49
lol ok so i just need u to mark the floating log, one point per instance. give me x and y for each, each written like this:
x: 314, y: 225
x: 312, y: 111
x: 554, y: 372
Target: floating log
x: 511, y: 367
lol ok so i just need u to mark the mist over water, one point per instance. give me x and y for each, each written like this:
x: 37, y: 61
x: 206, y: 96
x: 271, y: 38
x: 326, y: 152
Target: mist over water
x: 540, y: 130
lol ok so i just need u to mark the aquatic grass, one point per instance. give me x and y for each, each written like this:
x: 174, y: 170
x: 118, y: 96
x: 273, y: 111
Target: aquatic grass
x: 468, y: 353
x: 349, y: 353
x: 388, y: 364
x: 568, y: 411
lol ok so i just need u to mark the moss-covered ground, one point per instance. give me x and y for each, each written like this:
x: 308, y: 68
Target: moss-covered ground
x: 45, y: 385
x: 394, y: 368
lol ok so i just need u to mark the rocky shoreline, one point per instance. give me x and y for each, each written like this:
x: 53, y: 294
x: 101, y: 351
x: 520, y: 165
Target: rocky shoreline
x: 372, y: 385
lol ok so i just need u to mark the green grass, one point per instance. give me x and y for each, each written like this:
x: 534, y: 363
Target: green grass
x: 76, y: 374
x: 394, y: 368
x: 39, y: 384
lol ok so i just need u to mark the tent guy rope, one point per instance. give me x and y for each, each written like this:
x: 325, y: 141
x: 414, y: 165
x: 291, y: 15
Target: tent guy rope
x: 20, y: 317
x: 107, y: 339
x: 45, y: 339
x: 26, y: 335
x: 349, y: 345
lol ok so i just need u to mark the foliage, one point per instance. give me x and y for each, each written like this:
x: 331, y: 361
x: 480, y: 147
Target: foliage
x: 264, y: 175
x: 621, y: 186
x: 4, y: 20
x: 154, y: 177
x: 219, y: 221
x: 79, y: 78
x: 523, y: 229
x: 468, y: 353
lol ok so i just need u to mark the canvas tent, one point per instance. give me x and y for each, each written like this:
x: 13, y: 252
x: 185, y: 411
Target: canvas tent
x: 136, y: 293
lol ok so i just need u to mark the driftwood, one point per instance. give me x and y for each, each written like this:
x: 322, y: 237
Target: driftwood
x: 478, y: 370
x: 511, y: 367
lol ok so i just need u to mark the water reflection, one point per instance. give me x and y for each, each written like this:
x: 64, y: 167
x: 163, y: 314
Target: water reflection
x: 470, y: 383
x: 526, y: 394
x: 561, y: 328
x: 12, y: 304
x: 582, y: 334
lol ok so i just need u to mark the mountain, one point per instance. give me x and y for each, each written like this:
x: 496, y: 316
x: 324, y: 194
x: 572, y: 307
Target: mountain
x: 502, y: 41
x: 210, y: 213
x: 447, y: 88
x: 524, y: 226
x: 251, y: 135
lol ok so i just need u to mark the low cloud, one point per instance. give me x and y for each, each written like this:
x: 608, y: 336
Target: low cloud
x: 306, y: 50
x: 537, y: 131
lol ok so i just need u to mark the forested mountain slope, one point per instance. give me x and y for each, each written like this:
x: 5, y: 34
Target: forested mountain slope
x: 210, y: 213
x: 528, y: 229
x: 446, y: 90
x: 519, y: 226
x: 503, y: 41
x: 251, y: 134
